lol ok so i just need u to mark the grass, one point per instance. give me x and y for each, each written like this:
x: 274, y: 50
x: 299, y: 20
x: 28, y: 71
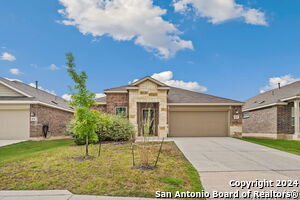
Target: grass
x: 290, y: 146
x: 111, y: 174
x: 29, y: 148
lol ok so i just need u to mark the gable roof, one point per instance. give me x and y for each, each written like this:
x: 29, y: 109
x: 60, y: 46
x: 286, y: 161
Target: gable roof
x: 150, y: 79
x: 31, y: 94
x: 180, y: 96
x: 273, y: 97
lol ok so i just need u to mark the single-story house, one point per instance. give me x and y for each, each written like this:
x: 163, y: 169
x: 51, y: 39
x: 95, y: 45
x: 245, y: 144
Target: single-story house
x: 174, y: 112
x: 24, y: 110
x: 273, y: 114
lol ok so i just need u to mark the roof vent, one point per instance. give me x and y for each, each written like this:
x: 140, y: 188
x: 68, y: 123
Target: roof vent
x: 262, y: 102
x: 36, y: 85
x: 54, y: 102
x: 278, y: 85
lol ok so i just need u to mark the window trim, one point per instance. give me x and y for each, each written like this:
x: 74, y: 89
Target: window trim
x: 293, y: 116
x: 246, y: 117
x: 121, y: 107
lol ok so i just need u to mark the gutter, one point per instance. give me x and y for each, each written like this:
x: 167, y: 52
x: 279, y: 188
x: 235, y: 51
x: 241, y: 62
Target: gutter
x: 36, y: 102
x: 268, y: 105
x: 290, y: 98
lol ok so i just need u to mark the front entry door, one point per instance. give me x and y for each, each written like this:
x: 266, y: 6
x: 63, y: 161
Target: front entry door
x: 147, y: 119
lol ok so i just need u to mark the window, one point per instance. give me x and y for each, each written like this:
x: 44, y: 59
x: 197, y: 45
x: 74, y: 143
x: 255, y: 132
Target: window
x: 121, y: 110
x: 246, y: 115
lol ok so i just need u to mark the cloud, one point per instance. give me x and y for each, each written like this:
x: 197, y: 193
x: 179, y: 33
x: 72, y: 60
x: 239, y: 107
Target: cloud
x: 273, y: 82
x: 125, y: 20
x: 219, y: 11
x: 66, y: 97
x: 41, y: 88
x: 53, y: 67
x: 7, y: 56
x: 15, y: 71
x: 98, y: 95
x: 167, y: 78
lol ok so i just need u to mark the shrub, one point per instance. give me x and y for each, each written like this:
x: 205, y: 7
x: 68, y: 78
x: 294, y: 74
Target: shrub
x: 114, y: 128
x: 109, y: 128
x: 77, y: 127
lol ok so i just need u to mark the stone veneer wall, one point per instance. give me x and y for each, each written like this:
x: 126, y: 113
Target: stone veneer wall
x: 261, y: 121
x: 149, y: 92
x: 235, y: 127
x: 114, y: 100
x: 55, y: 118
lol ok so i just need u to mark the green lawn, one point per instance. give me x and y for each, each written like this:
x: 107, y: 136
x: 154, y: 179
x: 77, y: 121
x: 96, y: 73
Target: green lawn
x: 40, y: 166
x: 290, y: 146
x: 28, y: 148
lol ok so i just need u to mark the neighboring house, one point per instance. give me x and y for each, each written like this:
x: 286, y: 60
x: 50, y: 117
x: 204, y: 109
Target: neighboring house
x: 272, y: 114
x: 174, y: 112
x: 24, y: 110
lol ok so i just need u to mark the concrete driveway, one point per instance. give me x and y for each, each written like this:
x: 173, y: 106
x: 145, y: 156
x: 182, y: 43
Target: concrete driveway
x: 221, y: 159
x: 8, y: 142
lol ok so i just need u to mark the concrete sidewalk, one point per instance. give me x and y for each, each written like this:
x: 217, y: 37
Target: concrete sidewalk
x: 54, y: 195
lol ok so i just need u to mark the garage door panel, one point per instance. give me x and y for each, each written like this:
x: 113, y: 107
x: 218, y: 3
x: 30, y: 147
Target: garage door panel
x: 14, y: 124
x: 198, y: 124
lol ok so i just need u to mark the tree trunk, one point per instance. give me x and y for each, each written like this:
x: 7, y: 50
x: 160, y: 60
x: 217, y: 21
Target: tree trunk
x: 87, y: 146
x: 159, y: 152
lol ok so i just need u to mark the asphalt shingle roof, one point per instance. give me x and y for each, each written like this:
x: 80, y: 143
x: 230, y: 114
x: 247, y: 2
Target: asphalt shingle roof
x: 273, y: 96
x: 178, y: 95
x: 36, y: 95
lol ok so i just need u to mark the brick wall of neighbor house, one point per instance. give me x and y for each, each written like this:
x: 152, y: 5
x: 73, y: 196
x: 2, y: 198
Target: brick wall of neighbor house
x: 55, y: 118
x: 261, y: 121
x: 114, y: 100
x: 101, y: 108
x: 284, y: 119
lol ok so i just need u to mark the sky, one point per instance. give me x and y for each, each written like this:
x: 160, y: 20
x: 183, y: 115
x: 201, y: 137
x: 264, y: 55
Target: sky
x: 228, y: 48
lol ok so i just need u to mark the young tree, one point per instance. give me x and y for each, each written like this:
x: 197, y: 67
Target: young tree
x: 85, y: 122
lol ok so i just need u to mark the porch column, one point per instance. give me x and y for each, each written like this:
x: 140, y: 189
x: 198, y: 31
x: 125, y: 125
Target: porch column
x: 297, y: 115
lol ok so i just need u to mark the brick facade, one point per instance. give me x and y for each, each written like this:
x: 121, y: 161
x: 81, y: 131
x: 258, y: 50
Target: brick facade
x: 261, y: 121
x: 284, y: 119
x: 114, y: 100
x: 100, y: 108
x: 56, y: 119
x: 273, y: 120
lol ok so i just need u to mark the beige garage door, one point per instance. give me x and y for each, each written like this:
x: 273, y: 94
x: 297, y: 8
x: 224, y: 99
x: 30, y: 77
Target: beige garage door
x: 14, y: 123
x: 198, y: 123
